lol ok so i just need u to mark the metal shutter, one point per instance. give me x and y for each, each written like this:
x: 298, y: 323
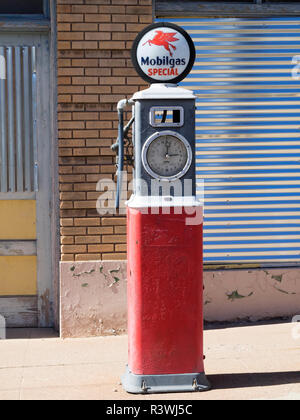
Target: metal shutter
x: 248, y: 137
x: 17, y: 120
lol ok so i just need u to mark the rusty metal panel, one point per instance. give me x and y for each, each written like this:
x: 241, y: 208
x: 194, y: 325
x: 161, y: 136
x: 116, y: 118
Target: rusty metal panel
x: 248, y: 138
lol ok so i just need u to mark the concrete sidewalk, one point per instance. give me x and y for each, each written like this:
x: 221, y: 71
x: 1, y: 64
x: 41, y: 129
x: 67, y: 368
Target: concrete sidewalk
x: 242, y: 362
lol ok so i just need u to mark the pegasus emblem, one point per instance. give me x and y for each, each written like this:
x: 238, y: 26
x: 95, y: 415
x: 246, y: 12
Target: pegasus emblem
x: 163, y: 39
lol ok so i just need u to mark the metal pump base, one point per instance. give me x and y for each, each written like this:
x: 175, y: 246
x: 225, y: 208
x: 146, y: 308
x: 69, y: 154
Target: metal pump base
x: 151, y: 384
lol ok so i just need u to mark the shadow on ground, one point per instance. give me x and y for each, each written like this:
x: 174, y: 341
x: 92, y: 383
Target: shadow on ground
x: 246, y: 380
x: 219, y: 325
x: 30, y: 333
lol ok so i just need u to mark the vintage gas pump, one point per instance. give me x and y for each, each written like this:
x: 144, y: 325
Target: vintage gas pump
x: 165, y: 287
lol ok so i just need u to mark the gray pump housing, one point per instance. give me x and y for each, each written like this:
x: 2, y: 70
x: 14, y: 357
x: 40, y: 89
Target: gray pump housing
x: 180, y: 105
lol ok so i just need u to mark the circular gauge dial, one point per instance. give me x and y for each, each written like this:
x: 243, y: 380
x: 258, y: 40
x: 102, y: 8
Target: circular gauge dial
x: 166, y: 156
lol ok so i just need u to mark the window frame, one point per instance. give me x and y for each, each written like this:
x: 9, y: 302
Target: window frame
x: 182, y: 8
x: 32, y: 22
x: 45, y: 13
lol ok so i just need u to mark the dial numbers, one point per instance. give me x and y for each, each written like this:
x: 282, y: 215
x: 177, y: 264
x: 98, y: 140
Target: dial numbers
x: 166, y: 156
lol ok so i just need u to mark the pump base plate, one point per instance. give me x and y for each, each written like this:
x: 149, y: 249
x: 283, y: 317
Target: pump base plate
x: 151, y: 384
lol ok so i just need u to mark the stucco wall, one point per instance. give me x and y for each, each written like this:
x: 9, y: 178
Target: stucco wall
x: 93, y: 296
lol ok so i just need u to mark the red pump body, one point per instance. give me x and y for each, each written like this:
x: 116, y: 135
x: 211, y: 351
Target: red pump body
x: 165, y: 293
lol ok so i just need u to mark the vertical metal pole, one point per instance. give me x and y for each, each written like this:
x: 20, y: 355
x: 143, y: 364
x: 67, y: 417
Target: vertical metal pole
x: 11, y: 127
x: 34, y: 117
x: 120, y: 157
x: 3, y: 128
x: 27, y: 120
x: 19, y: 131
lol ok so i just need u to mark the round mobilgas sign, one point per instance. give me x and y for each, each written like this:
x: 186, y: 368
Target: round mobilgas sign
x: 163, y: 53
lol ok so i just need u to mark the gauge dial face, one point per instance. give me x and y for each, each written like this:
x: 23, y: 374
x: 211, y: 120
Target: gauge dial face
x: 166, y: 156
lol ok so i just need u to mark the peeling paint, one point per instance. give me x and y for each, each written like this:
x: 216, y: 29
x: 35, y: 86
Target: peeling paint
x: 90, y: 307
x: 101, y: 268
x: 277, y: 278
x: 46, y: 306
x: 284, y: 291
x: 84, y: 272
x: 115, y: 271
x: 116, y: 280
x: 235, y: 295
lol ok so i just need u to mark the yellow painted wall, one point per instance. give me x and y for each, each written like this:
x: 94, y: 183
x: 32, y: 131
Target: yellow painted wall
x: 17, y: 219
x: 18, y: 276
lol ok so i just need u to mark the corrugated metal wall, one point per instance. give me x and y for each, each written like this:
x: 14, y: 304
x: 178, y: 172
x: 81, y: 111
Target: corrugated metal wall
x: 17, y: 119
x: 248, y: 136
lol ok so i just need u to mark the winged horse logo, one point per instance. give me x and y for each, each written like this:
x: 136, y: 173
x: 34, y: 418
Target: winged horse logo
x: 163, y: 39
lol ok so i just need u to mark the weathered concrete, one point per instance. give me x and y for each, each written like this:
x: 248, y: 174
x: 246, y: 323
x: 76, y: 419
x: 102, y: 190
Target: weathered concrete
x: 242, y: 362
x: 93, y: 296
x: 251, y: 294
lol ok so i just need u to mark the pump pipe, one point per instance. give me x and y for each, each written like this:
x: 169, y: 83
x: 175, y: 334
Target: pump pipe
x: 120, y: 144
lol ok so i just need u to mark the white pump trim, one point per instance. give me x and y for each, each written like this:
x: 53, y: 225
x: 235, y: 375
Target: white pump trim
x: 163, y: 91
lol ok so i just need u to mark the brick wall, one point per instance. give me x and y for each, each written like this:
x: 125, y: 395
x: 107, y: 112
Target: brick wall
x: 94, y: 73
